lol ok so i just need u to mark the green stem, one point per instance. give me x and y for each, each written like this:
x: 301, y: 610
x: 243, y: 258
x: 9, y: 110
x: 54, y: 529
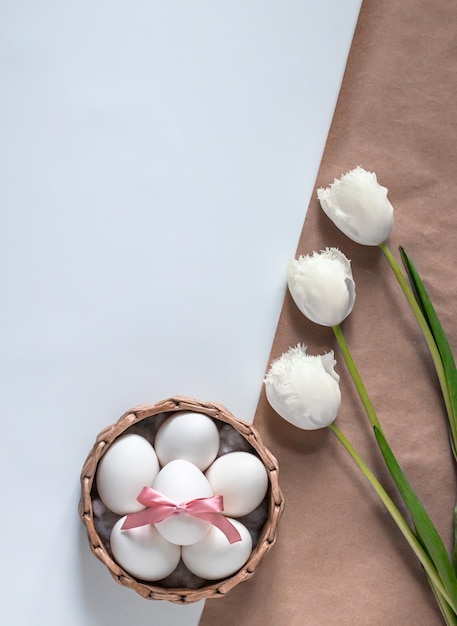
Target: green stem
x: 430, y: 340
x: 454, y: 555
x: 448, y: 614
x: 364, y: 397
x: 396, y: 516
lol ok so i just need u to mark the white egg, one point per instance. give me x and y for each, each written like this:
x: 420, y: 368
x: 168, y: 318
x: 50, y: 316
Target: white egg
x: 143, y: 552
x: 129, y: 464
x: 182, y: 481
x: 193, y: 437
x: 214, y: 557
x: 242, y: 480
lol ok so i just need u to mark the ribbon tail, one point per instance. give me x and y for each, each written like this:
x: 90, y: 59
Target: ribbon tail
x: 143, y: 518
x: 229, y: 530
x: 133, y: 520
x: 158, y: 508
x: 209, y: 509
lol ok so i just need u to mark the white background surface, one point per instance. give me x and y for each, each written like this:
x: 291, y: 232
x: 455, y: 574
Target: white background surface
x: 157, y: 159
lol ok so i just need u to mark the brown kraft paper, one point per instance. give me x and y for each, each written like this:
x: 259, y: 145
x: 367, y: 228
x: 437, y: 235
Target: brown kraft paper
x: 340, y: 558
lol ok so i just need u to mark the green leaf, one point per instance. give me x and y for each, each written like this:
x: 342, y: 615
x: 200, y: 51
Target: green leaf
x: 441, y: 341
x: 447, y: 358
x: 425, y: 528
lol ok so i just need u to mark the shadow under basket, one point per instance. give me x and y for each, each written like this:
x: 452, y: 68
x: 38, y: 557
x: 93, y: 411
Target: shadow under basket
x: 236, y: 435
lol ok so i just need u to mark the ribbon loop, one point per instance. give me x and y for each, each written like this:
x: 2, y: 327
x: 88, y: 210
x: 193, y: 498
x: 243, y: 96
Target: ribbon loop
x: 159, y: 508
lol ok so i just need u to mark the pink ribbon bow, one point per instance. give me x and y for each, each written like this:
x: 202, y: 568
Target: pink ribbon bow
x: 159, y: 508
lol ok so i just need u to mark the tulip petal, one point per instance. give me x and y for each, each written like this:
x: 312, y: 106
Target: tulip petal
x: 358, y: 205
x: 303, y: 389
x: 322, y: 286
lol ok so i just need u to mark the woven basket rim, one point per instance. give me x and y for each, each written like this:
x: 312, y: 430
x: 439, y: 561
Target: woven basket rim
x: 173, y: 405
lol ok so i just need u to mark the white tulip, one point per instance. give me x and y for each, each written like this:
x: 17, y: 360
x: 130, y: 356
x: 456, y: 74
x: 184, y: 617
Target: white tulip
x: 303, y: 389
x: 322, y: 286
x: 357, y: 204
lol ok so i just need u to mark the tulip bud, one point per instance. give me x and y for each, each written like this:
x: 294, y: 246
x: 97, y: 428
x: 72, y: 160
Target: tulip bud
x: 303, y: 389
x: 357, y: 204
x: 322, y: 286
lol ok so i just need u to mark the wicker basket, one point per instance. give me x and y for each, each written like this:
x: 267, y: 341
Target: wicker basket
x: 141, y: 417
